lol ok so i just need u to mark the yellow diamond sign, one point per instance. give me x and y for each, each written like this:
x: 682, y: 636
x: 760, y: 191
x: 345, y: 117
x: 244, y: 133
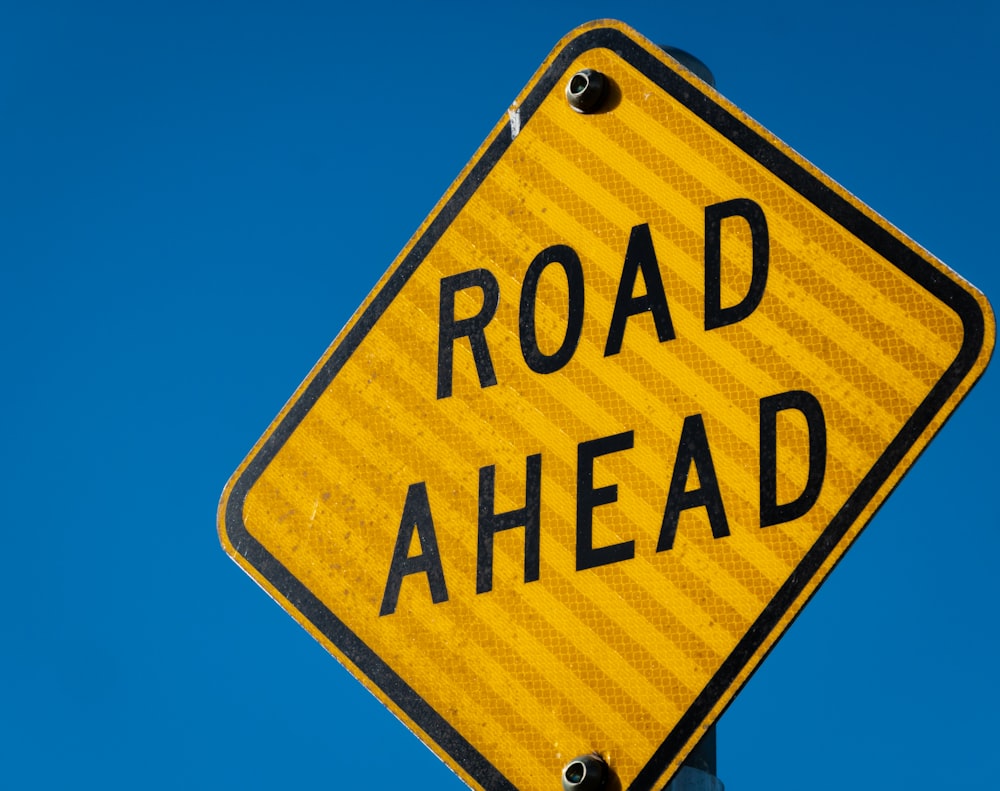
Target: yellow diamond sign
x: 603, y: 427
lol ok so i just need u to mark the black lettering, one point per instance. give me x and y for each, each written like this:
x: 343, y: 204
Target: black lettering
x: 473, y: 327
x: 416, y: 517
x: 588, y: 498
x: 771, y: 512
x: 715, y: 315
x: 491, y: 523
x: 538, y: 361
x: 639, y: 255
x: 693, y: 449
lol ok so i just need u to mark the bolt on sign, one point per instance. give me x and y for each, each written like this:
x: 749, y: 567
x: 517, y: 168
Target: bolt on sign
x: 603, y: 427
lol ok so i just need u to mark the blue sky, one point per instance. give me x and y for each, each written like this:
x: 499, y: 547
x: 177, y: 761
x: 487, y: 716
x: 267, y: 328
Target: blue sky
x: 194, y: 198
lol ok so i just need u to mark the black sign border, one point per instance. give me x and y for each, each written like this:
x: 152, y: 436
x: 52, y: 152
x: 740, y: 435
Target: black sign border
x: 809, y: 186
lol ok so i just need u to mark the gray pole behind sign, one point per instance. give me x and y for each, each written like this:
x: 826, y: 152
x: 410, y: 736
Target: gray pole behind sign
x: 697, y: 773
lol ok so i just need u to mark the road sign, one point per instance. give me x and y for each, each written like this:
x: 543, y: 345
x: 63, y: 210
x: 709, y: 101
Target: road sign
x: 601, y: 430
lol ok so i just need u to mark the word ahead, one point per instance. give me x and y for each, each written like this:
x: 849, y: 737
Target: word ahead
x: 693, y: 452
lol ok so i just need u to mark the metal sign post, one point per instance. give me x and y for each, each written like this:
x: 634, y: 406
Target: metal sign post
x: 698, y: 772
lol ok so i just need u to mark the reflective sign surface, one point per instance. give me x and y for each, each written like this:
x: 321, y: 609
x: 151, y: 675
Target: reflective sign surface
x: 600, y: 431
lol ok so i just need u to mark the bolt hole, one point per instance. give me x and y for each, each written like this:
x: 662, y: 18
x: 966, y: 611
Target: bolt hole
x: 586, y: 773
x: 575, y: 772
x: 586, y: 90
